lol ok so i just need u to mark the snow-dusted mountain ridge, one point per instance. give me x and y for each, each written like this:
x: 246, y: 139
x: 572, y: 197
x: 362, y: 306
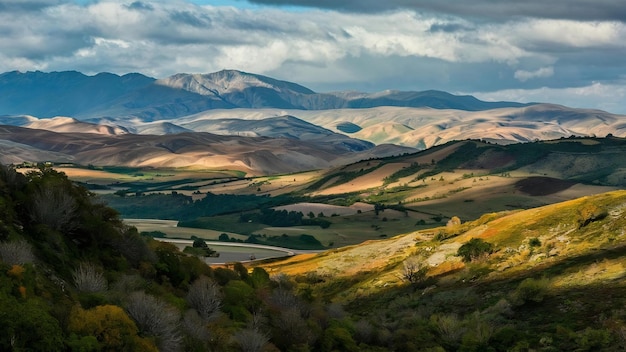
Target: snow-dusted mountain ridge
x: 134, y: 95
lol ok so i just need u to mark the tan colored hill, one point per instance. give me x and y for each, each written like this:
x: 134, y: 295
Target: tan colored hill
x: 68, y: 124
x: 16, y: 153
x: 252, y: 155
x: 424, y: 127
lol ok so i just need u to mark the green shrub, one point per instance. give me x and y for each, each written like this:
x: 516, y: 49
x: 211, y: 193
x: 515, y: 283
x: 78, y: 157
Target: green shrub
x: 337, y: 338
x: 534, y: 242
x: 28, y: 326
x: 505, y: 338
x: 529, y: 290
x: 474, y: 249
x: 592, y: 339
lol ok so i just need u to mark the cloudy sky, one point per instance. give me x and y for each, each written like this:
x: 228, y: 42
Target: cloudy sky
x: 571, y: 52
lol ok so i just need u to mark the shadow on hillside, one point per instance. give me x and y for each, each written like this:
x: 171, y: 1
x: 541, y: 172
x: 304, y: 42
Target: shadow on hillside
x: 542, y: 186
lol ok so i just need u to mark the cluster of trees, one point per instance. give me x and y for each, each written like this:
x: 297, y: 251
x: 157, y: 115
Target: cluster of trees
x: 183, y: 208
x: 404, y: 172
x: 302, y: 241
x: 73, y: 277
x: 201, y: 248
x: 280, y: 218
x: 283, y: 218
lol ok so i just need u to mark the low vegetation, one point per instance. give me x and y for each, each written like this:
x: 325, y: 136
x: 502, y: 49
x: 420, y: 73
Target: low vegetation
x: 529, y: 280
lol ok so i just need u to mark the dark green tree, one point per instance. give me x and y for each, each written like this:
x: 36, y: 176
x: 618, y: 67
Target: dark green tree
x: 474, y: 249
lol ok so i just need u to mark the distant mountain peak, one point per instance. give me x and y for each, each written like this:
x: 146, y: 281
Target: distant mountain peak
x: 229, y: 81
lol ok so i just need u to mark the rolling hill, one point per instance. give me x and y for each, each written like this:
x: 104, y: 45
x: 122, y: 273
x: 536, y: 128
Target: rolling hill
x: 253, y: 155
x: 377, y: 197
x: 469, y: 178
x: 425, y: 127
x: 419, y: 128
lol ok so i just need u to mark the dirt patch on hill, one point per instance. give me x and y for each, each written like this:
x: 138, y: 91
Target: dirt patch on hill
x: 543, y: 186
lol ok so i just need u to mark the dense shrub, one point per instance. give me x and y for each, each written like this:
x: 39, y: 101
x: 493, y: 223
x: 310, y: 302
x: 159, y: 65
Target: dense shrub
x: 534, y: 242
x: 111, y: 326
x: 474, y: 249
x: 529, y: 290
x: 250, y: 340
x: 28, y: 326
x: 16, y: 252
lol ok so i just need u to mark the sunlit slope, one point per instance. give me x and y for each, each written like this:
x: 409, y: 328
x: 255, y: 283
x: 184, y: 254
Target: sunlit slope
x: 474, y: 172
x: 464, y: 179
x: 68, y: 124
x: 426, y: 127
x: 573, y: 243
x: 252, y: 155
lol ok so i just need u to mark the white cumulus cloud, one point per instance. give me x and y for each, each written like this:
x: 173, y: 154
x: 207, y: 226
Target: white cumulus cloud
x: 542, y: 72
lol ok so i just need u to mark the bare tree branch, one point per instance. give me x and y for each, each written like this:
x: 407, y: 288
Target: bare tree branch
x: 250, y: 340
x: 155, y: 317
x: 54, y: 207
x: 205, y: 297
x: 88, y: 278
x: 16, y: 252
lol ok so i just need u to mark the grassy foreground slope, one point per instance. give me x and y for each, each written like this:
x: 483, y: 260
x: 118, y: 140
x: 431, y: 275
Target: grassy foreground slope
x: 552, y: 279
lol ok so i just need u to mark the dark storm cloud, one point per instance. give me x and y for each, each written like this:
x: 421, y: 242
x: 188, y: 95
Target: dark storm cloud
x: 556, y: 9
x: 190, y: 18
x: 27, y: 5
x: 448, y: 28
x: 138, y: 5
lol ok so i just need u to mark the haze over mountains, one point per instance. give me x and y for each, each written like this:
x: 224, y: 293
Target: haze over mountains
x: 244, y: 105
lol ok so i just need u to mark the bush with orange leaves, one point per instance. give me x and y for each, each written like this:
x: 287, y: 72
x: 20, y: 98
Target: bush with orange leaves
x: 111, y: 326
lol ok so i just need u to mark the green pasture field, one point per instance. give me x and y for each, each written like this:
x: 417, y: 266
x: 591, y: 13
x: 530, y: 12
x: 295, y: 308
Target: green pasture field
x: 133, y: 179
x: 344, y: 230
x: 172, y: 231
x: 355, y: 229
x: 227, y: 223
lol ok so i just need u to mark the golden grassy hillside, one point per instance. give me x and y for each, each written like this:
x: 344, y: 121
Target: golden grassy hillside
x: 584, y: 233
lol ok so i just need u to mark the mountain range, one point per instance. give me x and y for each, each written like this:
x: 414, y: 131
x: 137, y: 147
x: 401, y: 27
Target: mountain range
x: 237, y: 104
x: 107, y: 95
